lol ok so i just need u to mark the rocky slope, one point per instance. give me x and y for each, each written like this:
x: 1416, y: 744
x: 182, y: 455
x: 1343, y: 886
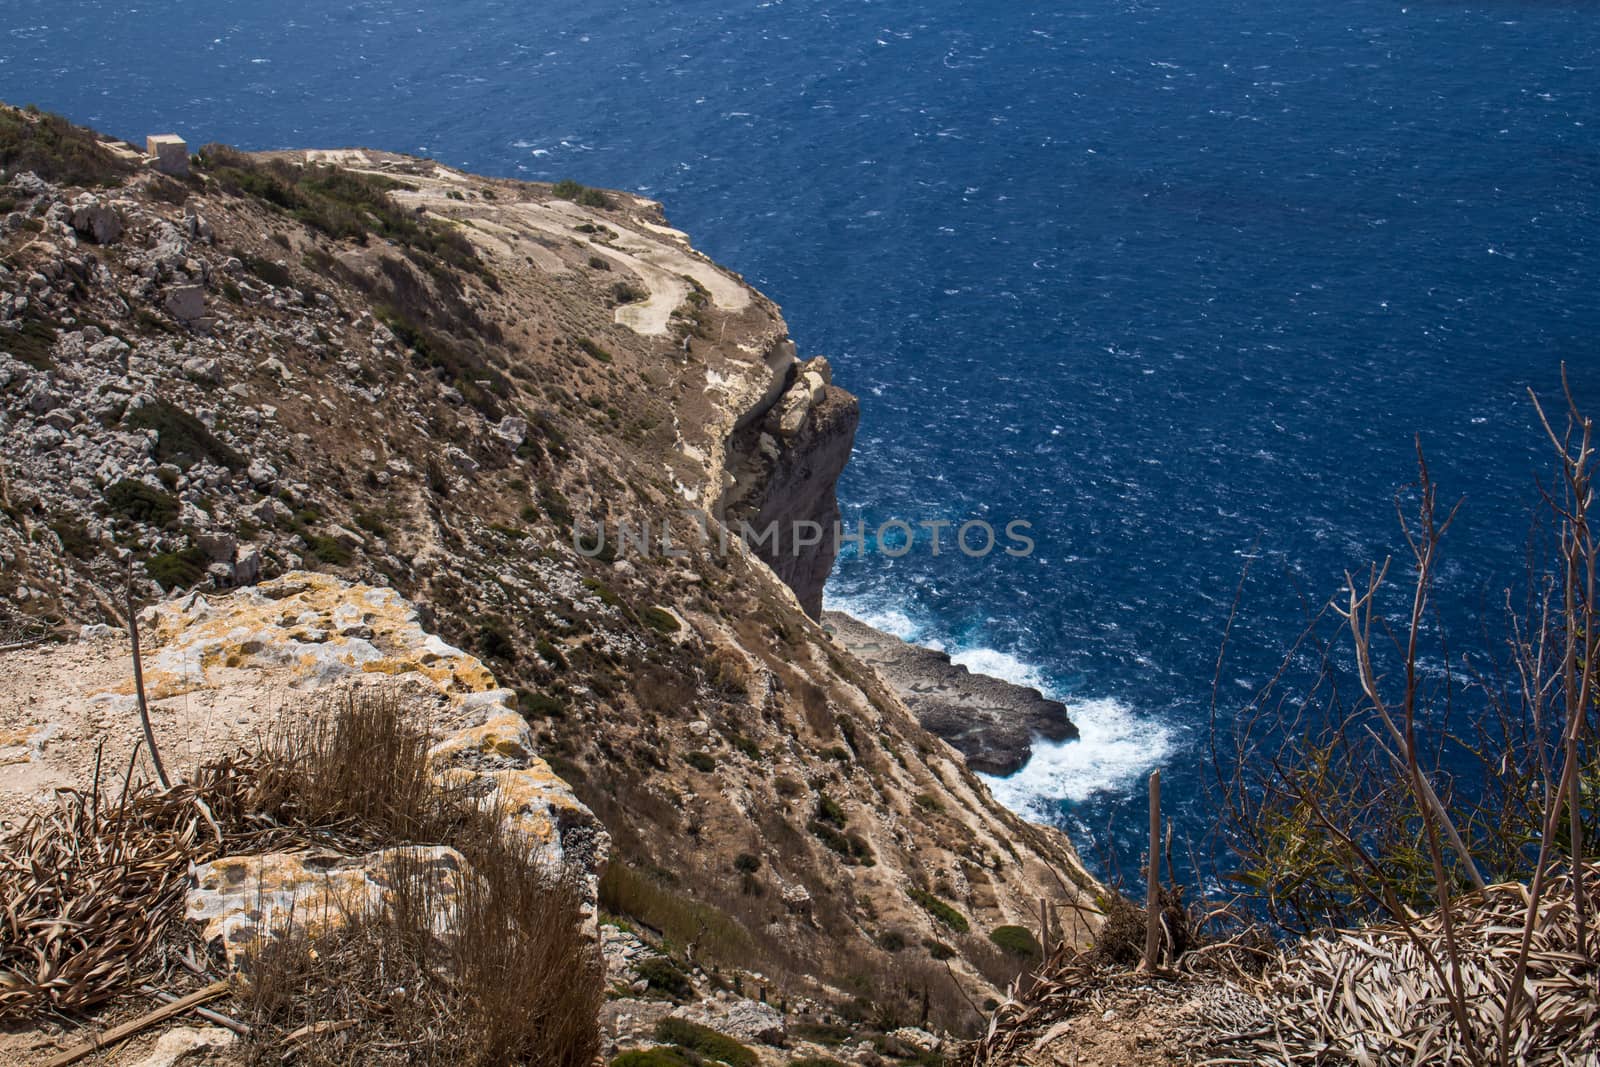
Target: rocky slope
x: 385, y: 370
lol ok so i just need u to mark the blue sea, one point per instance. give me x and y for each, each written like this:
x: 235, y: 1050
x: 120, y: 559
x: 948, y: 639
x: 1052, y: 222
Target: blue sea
x: 1176, y: 282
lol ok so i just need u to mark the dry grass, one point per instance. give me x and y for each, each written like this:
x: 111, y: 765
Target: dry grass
x: 512, y: 982
x: 359, y: 765
x: 513, y: 979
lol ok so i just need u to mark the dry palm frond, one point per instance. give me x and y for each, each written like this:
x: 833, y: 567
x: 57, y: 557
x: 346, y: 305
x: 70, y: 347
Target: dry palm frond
x: 88, y: 887
x: 1373, y: 996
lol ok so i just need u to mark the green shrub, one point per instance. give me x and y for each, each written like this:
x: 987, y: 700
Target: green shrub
x: 892, y: 941
x: 31, y: 343
x: 650, y: 898
x: 828, y: 810
x: 929, y: 803
x: 837, y: 753
x: 701, y: 761
x: 177, y: 570
x: 1016, y: 941
x: 664, y: 976
x: 494, y: 640
x: 853, y: 847
x: 822, y: 1033
x: 343, y: 204
x: 938, y: 949
x: 567, y: 189
x: 815, y: 1061
x: 328, y: 550
x: 660, y: 620
x: 706, y: 1041
x: 747, y: 863
x: 181, y: 438
x: 594, y: 198
x: 624, y: 293
x: 593, y: 350
x: 137, y: 502
x: 941, y: 911
x: 74, y: 539
x: 372, y: 523
x: 540, y: 705
x: 656, y: 1057
x: 55, y: 150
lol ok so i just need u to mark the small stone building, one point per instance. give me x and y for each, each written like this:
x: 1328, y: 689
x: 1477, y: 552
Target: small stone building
x: 170, y: 153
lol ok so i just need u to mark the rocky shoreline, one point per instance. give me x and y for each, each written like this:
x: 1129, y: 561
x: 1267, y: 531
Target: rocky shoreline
x: 990, y: 721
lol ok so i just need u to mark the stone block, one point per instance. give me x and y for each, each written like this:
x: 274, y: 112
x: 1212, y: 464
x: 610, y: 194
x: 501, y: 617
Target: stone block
x: 170, y: 154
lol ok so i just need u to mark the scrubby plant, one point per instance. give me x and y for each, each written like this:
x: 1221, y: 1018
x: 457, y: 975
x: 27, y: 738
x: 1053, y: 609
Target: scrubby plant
x: 662, y: 1056
x: 1016, y: 941
x: 704, y: 762
x: 664, y: 977
x: 941, y: 911
x: 55, y: 150
x: 329, y: 550
x: 706, y: 1041
x: 135, y: 501
x: 32, y: 342
x: 181, y: 437
x: 177, y: 570
x: 660, y: 620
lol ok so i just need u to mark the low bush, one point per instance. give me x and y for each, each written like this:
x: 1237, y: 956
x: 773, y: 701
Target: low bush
x: 181, y: 438
x: 31, y: 343
x: 657, y: 1057
x: 1016, y: 941
x: 706, y: 1041
x: 177, y: 570
x: 941, y: 911
x: 704, y: 762
x: 137, y: 502
x: 660, y: 620
x: 328, y: 550
x: 664, y: 977
x: 55, y: 150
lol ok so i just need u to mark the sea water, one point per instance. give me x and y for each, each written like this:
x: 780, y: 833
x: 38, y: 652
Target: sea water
x: 1176, y: 282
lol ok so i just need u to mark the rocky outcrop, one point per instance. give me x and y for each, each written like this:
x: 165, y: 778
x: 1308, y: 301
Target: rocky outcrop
x: 785, y: 463
x: 308, y: 638
x: 991, y: 722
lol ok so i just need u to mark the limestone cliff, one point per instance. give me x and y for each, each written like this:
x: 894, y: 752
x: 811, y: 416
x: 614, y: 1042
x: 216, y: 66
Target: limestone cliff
x: 416, y: 379
x: 785, y: 460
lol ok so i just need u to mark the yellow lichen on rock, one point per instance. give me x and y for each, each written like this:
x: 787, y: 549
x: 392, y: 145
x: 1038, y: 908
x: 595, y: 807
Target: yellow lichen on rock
x: 320, y: 628
x: 244, y: 901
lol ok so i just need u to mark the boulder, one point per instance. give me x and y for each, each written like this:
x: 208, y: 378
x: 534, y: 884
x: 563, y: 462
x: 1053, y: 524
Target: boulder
x: 96, y: 220
x: 242, y: 902
x: 749, y: 1021
x: 186, y: 303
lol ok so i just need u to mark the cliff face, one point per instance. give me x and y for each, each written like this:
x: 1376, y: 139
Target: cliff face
x: 785, y: 461
x: 385, y: 370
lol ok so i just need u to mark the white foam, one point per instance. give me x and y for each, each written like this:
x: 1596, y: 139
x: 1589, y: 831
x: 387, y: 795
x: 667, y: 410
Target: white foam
x: 1114, y: 748
x: 1002, y: 665
x: 888, y: 619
